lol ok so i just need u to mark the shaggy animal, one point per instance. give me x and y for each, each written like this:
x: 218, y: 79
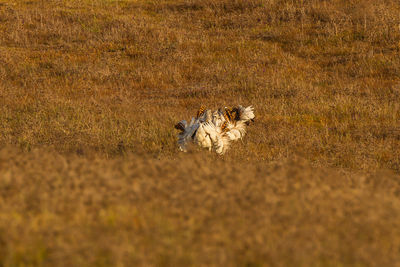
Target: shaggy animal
x: 214, y: 130
x: 237, y: 119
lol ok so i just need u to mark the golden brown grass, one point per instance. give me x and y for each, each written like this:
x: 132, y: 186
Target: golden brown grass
x: 90, y: 91
x: 73, y: 211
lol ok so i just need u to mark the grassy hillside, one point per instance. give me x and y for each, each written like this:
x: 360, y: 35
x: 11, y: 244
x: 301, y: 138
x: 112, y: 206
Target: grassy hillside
x: 90, y: 173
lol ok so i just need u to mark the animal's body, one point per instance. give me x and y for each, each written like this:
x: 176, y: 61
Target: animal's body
x: 214, y: 130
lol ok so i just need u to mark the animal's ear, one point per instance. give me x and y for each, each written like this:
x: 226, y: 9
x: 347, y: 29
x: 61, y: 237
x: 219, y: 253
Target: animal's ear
x: 180, y: 126
x: 201, y: 111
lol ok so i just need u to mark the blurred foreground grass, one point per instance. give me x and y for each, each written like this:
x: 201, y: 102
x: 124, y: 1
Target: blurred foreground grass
x: 193, y: 210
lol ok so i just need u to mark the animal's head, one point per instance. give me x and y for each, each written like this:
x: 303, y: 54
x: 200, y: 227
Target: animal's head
x: 233, y: 114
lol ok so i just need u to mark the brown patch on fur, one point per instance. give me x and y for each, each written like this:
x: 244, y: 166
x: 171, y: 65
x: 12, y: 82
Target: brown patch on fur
x: 201, y: 111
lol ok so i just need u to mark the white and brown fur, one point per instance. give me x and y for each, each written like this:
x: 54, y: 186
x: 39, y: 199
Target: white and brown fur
x: 214, y: 130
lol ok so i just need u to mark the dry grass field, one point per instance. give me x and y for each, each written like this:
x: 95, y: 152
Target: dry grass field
x: 90, y: 173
